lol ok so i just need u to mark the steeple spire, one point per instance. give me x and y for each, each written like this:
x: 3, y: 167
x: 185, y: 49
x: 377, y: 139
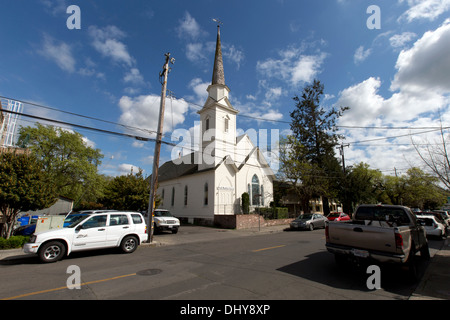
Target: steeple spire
x: 218, y: 73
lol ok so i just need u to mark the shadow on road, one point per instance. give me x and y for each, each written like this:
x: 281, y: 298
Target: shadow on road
x: 321, y: 267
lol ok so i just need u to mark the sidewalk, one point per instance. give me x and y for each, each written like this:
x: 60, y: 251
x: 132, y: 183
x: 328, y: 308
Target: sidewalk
x: 435, y: 283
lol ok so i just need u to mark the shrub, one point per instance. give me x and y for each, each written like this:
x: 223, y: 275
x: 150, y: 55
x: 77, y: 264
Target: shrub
x: 245, y: 203
x: 13, y: 242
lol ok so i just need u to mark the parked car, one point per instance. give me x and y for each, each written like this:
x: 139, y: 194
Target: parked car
x: 338, y: 216
x: 125, y: 230
x: 432, y: 226
x: 309, y: 221
x: 443, y: 216
x: 164, y: 220
x: 439, y: 218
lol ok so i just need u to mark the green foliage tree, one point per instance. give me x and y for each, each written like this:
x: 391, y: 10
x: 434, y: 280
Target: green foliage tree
x: 309, y: 156
x: 128, y: 192
x: 71, y: 163
x: 24, y: 186
x: 360, y: 184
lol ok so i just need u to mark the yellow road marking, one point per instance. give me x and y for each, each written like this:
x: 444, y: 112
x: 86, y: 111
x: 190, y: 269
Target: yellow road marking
x: 269, y: 248
x: 67, y: 287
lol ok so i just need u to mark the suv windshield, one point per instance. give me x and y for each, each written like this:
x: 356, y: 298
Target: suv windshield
x: 159, y: 213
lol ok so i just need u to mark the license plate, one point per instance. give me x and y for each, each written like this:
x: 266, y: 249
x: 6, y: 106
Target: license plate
x: 360, y: 253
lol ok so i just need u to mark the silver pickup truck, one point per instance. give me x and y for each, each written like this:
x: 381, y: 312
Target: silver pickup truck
x: 378, y: 233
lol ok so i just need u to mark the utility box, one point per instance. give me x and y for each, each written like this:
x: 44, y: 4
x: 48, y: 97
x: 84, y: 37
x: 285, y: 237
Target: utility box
x: 49, y: 222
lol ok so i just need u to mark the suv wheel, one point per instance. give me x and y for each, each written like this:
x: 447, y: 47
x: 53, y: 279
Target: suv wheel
x: 52, y: 251
x: 129, y: 244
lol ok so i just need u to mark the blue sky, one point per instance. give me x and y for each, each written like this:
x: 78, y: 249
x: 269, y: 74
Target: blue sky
x: 395, y: 76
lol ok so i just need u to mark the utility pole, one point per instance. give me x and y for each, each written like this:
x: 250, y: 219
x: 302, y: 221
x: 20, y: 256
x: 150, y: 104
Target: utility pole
x: 153, y: 187
x: 341, y: 150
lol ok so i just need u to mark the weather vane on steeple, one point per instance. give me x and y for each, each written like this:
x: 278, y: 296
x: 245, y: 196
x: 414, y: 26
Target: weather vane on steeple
x: 218, y: 22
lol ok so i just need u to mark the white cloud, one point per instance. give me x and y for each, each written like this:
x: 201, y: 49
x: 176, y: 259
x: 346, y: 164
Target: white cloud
x: 189, y: 28
x: 134, y: 77
x: 424, y: 9
x: 107, y: 42
x: 426, y: 66
x: 292, y: 66
x: 232, y: 54
x: 55, y: 7
x: 199, y: 87
x: 364, y: 102
x: 59, y: 52
x: 143, y: 112
x: 361, y: 54
x: 125, y: 168
x: 400, y: 40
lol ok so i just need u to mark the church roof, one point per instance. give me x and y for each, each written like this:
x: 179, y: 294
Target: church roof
x: 218, y: 73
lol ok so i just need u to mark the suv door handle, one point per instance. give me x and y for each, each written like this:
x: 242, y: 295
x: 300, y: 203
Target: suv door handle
x: 102, y: 229
x: 125, y: 227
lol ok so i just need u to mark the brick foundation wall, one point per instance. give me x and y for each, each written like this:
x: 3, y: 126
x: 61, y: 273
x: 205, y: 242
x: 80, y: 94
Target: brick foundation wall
x: 246, y: 221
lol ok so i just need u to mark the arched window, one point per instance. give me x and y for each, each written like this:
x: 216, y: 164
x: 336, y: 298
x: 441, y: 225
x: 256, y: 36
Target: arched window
x: 227, y: 120
x: 173, y: 196
x: 205, y: 197
x: 185, y: 195
x: 256, y: 193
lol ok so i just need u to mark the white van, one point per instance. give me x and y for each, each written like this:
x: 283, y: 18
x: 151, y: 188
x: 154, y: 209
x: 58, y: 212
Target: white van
x: 125, y: 230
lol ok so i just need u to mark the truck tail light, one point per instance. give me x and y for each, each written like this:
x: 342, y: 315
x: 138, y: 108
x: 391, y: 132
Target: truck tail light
x: 398, y: 240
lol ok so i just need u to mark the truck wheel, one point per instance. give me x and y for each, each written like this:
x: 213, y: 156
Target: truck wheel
x: 413, y: 273
x: 52, y: 251
x: 129, y: 244
x: 425, y: 252
x: 174, y: 230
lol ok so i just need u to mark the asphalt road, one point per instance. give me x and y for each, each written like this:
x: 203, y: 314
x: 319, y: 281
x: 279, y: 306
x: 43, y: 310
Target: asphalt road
x: 226, y: 265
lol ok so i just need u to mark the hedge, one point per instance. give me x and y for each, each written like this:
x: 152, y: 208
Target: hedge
x: 13, y: 242
x: 273, y: 213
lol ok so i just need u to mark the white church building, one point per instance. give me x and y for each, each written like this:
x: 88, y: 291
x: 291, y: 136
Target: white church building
x: 210, y: 182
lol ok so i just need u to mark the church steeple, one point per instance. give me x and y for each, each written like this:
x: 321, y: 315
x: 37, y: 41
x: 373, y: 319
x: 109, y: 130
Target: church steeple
x: 218, y: 73
x: 218, y: 117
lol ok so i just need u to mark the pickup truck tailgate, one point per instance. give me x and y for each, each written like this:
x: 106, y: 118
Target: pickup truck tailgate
x: 362, y: 236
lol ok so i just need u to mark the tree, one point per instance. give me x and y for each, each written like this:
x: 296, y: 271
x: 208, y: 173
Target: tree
x: 435, y: 156
x: 71, y: 163
x: 24, y: 186
x: 312, y: 144
x: 129, y: 192
x: 360, y: 184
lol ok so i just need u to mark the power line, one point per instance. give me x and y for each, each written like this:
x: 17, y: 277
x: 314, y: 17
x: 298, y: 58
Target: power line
x: 87, y: 127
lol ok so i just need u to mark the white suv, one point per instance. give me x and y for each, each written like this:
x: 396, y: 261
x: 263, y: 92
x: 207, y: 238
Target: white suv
x: 125, y: 230
x: 164, y: 220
